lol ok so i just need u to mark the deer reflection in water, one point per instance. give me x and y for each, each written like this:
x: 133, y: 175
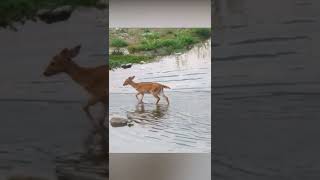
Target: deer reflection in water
x: 142, y: 115
x: 93, y: 162
x: 95, y: 81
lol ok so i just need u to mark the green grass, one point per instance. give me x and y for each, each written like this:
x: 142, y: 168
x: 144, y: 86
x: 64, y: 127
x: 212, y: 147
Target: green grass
x: 202, y: 33
x: 118, y: 43
x: 115, y: 61
x: 172, y: 41
x: 20, y: 10
x: 142, y: 43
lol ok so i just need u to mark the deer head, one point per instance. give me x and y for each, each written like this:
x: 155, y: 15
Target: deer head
x: 61, y: 61
x: 128, y: 80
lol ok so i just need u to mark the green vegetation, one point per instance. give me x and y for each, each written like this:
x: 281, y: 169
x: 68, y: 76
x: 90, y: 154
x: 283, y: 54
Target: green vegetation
x: 20, y: 10
x: 172, y: 42
x: 117, y: 60
x: 153, y: 42
x: 117, y: 42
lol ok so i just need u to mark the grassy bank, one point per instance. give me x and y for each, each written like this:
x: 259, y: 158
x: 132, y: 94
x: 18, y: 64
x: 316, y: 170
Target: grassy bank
x: 20, y: 10
x: 117, y: 60
x: 146, y: 44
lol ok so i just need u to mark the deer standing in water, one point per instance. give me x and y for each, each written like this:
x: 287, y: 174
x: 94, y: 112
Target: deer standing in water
x: 153, y: 88
x: 94, y: 80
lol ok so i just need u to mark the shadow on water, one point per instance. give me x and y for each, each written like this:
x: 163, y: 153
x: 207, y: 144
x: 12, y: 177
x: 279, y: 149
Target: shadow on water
x: 92, y: 164
x: 142, y: 115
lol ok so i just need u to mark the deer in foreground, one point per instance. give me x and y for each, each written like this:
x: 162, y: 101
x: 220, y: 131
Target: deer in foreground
x: 94, y: 79
x: 153, y: 88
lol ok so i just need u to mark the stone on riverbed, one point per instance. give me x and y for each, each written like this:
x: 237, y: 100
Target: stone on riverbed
x: 118, y: 122
x: 125, y: 66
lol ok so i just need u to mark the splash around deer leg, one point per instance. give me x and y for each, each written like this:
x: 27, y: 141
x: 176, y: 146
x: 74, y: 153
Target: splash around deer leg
x: 140, y: 101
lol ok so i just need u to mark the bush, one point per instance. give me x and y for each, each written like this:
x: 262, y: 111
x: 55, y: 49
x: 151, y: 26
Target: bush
x: 151, y: 35
x: 203, y: 33
x: 117, y: 42
x: 186, y: 39
x: 171, y: 43
x: 146, y: 30
x: 133, y: 49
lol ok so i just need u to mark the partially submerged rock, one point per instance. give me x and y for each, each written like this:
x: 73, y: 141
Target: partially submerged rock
x: 126, y: 66
x: 59, y: 14
x: 118, y: 122
x: 102, y: 4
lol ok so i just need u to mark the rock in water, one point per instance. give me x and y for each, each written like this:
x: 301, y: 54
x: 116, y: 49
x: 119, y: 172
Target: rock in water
x: 102, y: 4
x: 55, y: 15
x: 126, y: 66
x: 118, y: 122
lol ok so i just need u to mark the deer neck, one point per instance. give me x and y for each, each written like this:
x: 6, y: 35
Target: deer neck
x: 133, y: 84
x: 75, y: 72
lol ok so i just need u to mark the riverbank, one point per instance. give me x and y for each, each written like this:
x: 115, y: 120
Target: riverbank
x: 23, y: 10
x: 144, y: 44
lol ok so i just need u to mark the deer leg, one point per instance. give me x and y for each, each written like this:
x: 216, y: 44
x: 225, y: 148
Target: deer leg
x: 105, y: 114
x: 90, y: 102
x: 137, y: 96
x: 140, y: 101
x: 141, y: 97
x: 167, y: 99
x: 157, y: 97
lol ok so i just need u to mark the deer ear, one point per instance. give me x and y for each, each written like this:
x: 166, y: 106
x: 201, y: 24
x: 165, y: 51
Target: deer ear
x: 132, y: 77
x: 75, y: 51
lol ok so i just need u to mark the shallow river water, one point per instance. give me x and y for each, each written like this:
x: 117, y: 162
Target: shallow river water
x: 266, y: 90
x: 182, y: 126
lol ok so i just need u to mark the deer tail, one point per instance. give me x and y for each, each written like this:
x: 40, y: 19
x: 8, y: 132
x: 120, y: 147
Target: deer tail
x: 164, y: 86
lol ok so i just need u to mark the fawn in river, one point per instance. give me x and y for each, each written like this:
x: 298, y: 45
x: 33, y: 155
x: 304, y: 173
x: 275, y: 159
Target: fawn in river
x: 153, y: 88
x: 94, y: 79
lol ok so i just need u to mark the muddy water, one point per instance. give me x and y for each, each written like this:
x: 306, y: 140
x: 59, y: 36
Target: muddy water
x: 184, y: 125
x: 43, y: 131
